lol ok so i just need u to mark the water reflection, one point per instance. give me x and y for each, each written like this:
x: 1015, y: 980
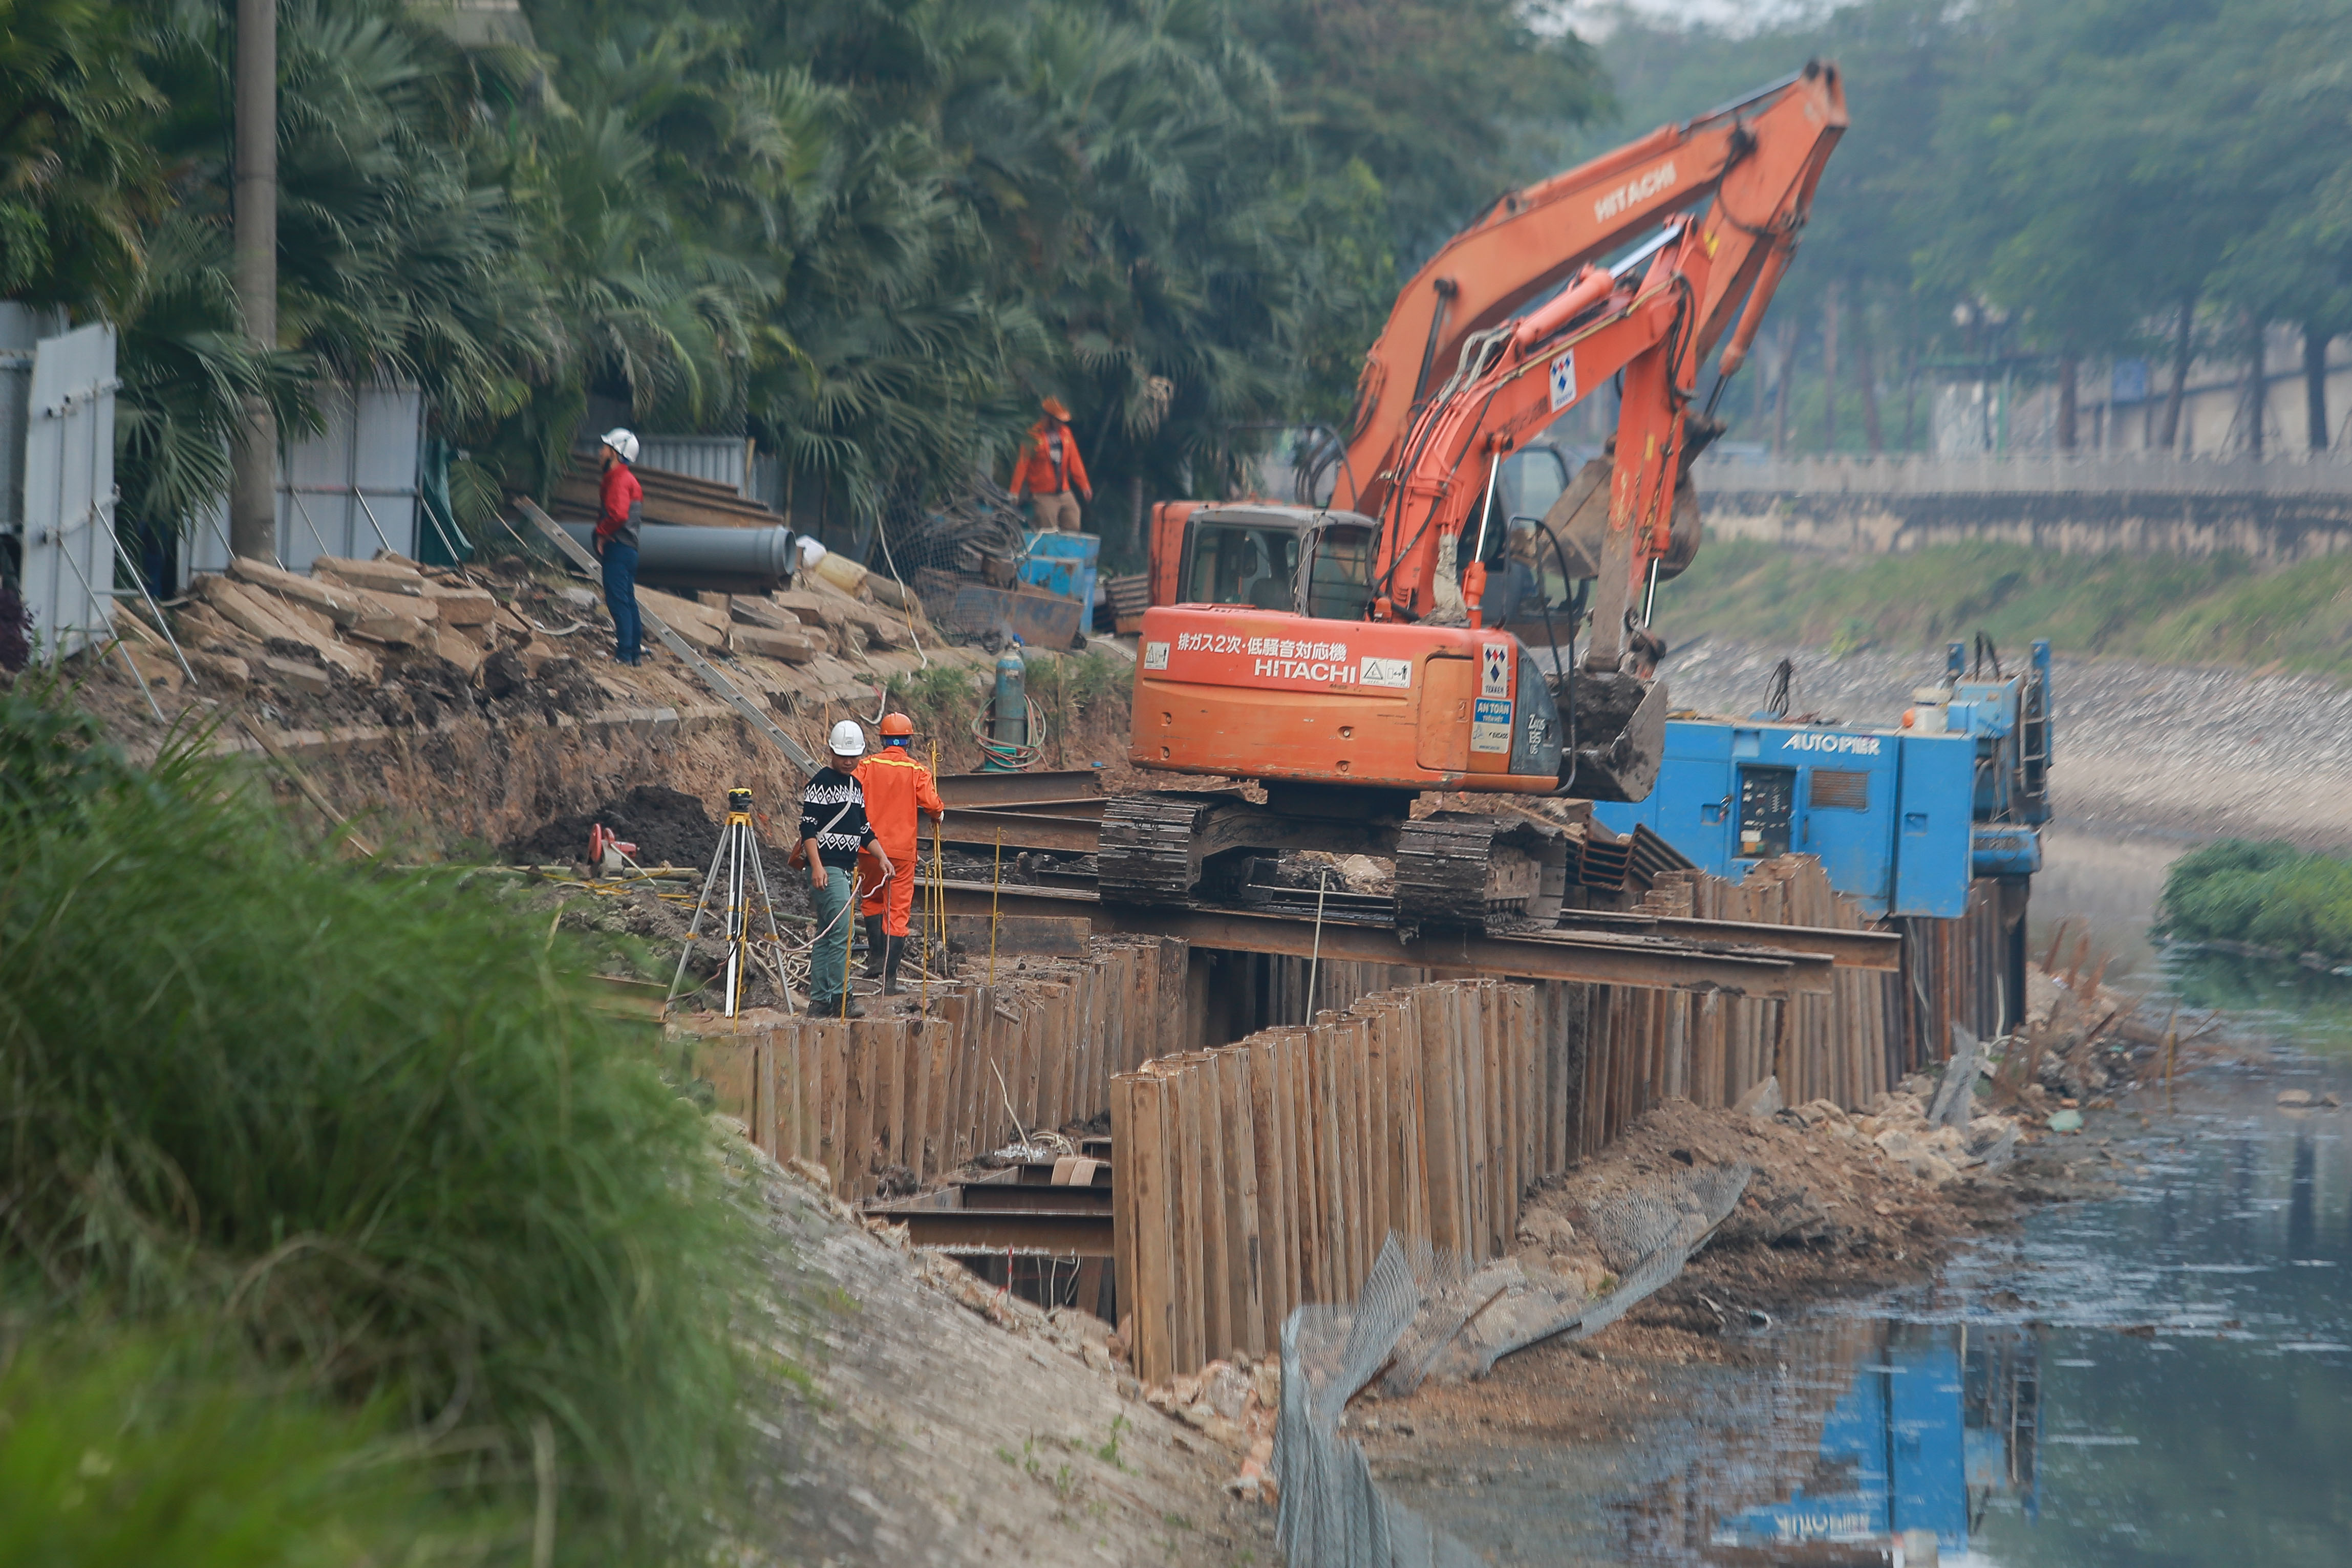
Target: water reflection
x: 1934, y: 1424
x: 2110, y: 888
x: 2165, y: 1377
x: 2266, y: 997
x: 1923, y: 1430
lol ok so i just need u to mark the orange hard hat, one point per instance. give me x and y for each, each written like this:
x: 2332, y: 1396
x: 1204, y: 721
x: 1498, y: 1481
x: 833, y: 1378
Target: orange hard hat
x: 898, y: 724
x: 1054, y: 407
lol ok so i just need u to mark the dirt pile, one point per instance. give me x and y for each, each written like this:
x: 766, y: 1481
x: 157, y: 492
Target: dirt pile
x: 669, y: 827
x: 1836, y: 1200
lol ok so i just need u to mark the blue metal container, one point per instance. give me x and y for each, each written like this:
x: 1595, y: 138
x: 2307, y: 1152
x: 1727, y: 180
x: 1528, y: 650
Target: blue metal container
x: 1065, y: 564
x: 1887, y: 812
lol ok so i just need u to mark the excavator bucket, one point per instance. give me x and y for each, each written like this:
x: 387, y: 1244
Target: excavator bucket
x: 1579, y: 520
x: 1618, y: 725
x: 1618, y: 720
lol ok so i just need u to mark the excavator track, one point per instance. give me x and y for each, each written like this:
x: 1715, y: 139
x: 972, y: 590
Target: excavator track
x: 1463, y: 871
x: 1454, y: 870
x: 1152, y: 845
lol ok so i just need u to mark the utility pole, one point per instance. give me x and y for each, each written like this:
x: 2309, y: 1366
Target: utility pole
x: 252, y: 495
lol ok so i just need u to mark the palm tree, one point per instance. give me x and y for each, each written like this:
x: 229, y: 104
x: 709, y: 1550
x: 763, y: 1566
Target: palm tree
x: 76, y: 176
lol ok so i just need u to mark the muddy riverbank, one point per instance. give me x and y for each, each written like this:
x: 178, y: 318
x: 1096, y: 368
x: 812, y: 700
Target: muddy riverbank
x: 1526, y: 1465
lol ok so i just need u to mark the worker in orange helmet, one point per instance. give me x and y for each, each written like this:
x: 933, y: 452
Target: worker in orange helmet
x: 1050, y: 468
x: 898, y: 790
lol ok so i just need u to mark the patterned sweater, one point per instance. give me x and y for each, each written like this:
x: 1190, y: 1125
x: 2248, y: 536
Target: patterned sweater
x: 827, y: 792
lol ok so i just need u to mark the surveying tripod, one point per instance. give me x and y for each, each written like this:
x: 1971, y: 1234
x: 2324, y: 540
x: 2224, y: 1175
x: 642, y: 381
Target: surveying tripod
x: 736, y: 875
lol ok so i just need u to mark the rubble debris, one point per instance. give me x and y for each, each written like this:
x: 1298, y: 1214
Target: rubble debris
x: 391, y: 642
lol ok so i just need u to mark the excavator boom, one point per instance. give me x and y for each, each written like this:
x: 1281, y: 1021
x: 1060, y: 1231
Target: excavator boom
x: 1757, y: 158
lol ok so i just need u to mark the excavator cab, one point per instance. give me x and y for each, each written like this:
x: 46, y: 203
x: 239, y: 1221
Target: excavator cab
x: 1321, y: 563
x: 1305, y: 559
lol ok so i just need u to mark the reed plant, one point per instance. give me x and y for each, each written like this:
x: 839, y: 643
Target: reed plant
x: 370, y: 1125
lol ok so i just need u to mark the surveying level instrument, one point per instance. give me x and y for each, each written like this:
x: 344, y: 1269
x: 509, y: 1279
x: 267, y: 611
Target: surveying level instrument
x: 736, y: 878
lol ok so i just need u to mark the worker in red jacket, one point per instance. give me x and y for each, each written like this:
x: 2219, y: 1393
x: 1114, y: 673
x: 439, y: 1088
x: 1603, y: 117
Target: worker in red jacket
x: 621, y: 510
x: 1050, y: 468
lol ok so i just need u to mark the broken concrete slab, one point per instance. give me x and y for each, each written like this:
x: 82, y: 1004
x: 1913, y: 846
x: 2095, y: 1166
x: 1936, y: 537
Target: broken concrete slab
x: 296, y: 676
x: 339, y: 605
x: 789, y: 647
x: 381, y: 576
x: 227, y: 668
x: 462, y: 606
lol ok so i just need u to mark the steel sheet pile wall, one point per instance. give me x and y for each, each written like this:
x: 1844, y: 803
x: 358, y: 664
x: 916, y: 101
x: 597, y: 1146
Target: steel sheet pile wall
x: 1256, y: 1177
x: 1960, y: 969
x: 1265, y: 1175
x: 858, y: 1096
x: 1711, y: 1050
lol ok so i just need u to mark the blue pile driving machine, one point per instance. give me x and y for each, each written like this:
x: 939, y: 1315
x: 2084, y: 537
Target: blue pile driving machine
x: 1903, y: 820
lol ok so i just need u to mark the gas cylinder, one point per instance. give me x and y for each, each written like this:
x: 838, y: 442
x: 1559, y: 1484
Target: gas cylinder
x: 1011, y: 728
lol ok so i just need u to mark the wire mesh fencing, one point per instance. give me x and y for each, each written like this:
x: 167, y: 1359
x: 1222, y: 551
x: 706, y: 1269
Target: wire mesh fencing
x: 976, y: 534
x: 1332, y: 1512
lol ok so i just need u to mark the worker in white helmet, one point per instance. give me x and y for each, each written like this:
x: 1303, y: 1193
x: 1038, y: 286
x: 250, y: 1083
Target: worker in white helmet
x: 833, y: 829
x: 621, y: 510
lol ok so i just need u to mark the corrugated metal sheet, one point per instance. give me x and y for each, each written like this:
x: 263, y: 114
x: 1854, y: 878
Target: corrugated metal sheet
x: 351, y: 490
x: 722, y: 459
x: 68, y: 521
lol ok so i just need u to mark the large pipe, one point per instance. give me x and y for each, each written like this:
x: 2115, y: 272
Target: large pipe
x: 717, y: 560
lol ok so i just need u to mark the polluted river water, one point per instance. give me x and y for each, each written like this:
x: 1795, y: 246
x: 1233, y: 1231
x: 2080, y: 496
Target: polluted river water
x: 2159, y: 1375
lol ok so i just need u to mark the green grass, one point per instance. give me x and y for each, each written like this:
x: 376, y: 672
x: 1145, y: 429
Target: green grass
x: 131, y: 1456
x: 1077, y: 695
x: 2171, y: 609
x: 2270, y: 895
x: 364, y: 1128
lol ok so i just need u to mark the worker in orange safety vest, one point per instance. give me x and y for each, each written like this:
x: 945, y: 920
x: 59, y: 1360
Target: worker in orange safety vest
x: 898, y: 790
x: 1050, y: 468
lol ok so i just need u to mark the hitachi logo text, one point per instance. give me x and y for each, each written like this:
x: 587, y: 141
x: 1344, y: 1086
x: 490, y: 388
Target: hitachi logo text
x: 1639, y: 190
x: 1861, y: 744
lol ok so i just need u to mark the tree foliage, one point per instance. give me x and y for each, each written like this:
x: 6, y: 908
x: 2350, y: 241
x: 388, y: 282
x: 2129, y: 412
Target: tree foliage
x: 869, y: 233
x: 2029, y: 181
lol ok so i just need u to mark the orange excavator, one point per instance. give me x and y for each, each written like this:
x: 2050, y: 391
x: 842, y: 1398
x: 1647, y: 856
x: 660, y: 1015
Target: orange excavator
x: 1336, y: 654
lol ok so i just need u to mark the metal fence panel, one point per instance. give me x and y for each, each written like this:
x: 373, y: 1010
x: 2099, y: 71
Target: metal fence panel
x: 722, y: 459
x: 350, y: 490
x: 67, y: 539
x: 21, y: 327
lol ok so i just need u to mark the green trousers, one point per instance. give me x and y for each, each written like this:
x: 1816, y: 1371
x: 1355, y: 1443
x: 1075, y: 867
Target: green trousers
x: 829, y: 960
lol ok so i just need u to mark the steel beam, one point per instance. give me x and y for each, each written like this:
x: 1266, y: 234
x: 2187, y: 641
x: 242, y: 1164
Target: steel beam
x: 1879, y: 951
x: 1035, y: 1233
x: 983, y: 830
x: 1060, y: 935
x: 1017, y: 788
x: 1090, y: 807
x: 1019, y: 1197
x: 1596, y: 958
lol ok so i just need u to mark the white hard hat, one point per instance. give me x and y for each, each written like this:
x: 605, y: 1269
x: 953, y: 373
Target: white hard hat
x: 621, y: 442
x: 849, y: 739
